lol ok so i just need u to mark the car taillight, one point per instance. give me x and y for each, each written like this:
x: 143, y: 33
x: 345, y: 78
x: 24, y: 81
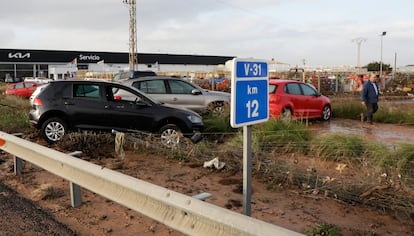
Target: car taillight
x: 274, y: 99
x: 37, y: 102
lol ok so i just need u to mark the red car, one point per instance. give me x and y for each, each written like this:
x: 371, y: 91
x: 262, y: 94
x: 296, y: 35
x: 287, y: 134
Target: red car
x: 294, y: 99
x: 22, y: 89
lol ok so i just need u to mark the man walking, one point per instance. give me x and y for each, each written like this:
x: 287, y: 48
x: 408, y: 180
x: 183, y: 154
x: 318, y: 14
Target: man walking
x: 369, y: 97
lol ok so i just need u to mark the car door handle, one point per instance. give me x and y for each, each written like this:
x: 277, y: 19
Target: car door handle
x: 117, y: 106
x: 175, y: 99
x: 69, y: 103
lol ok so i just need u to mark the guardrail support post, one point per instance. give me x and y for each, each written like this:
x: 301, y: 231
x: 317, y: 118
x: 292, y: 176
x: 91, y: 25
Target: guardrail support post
x: 18, y: 163
x: 75, y: 195
x: 75, y: 190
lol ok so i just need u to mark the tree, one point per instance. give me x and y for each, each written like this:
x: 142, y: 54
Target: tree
x: 375, y: 66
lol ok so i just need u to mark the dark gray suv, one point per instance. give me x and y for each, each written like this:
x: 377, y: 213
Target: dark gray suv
x: 96, y: 105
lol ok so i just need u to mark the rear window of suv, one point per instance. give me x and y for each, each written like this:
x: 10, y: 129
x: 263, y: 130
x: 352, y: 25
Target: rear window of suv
x: 86, y: 90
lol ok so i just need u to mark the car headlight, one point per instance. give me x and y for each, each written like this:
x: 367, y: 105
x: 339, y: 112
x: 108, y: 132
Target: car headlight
x: 194, y: 118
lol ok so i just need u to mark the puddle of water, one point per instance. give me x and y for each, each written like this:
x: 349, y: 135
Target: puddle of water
x: 385, y: 133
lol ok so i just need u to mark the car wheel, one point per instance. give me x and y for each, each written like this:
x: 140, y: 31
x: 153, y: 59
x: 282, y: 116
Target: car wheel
x: 217, y: 109
x: 286, y: 114
x: 170, y: 135
x: 53, y: 129
x: 326, y: 113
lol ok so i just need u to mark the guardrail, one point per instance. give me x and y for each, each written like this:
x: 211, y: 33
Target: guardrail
x: 178, y: 211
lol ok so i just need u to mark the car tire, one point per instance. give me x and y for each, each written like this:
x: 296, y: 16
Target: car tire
x: 170, y: 135
x: 326, y: 113
x: 217, y: 109
x: 286, y: 114
x: 53, y: 129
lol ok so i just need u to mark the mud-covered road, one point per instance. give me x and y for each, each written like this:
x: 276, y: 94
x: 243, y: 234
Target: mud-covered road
x: 19, y: 216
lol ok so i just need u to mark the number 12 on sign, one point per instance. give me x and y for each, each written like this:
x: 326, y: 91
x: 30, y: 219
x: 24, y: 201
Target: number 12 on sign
x: 252, y: 108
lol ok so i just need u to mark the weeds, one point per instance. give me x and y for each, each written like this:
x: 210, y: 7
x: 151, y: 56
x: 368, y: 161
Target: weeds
x: 278, y: 137
x: 218, y: 127
x: 337, y: 147
x: 324, y: 229
x: 393, y: 112
x: 349, y: 109
x: 14, y: 114
x: 405, y: 163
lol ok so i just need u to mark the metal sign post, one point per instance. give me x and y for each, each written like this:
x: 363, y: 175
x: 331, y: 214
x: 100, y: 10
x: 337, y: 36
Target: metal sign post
x: 249, y: 105
x: 247, y: 169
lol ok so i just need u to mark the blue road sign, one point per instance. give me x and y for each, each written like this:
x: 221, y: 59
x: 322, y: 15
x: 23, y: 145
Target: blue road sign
x: 249, y: 89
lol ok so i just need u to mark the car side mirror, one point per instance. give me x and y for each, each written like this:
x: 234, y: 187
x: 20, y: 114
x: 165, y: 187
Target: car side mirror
x: 140, y: 103
x: 195, y: 92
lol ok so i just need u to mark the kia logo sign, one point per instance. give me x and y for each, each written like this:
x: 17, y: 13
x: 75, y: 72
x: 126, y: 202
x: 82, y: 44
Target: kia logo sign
x: 19, y: 55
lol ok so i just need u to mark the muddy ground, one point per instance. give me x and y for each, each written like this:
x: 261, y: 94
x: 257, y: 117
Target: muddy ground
x: 290, y: 208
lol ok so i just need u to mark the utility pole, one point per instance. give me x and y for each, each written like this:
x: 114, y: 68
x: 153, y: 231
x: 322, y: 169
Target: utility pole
x: 382, y: 36
x: 359, y: 41
x: 133, y: 57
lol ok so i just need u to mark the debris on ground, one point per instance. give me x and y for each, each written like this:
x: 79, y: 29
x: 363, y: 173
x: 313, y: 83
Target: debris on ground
x: 214, y: 163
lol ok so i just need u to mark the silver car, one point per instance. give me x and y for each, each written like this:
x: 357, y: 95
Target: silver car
x: 177, y: 91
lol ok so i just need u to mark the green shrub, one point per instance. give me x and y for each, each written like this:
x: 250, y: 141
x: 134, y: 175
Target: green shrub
x: 217, y: 124
x: 324, y: 229
x: 278, y: 136
x: 395, y: 113
x: 14, y: 113
x: 337, y: 147
x: 388, y: 112
x: 404, y: 155
x: 346, y: 108
x: 378, y: 155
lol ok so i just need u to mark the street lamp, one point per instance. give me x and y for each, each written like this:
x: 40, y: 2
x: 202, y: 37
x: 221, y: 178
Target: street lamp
x: 382, y: 36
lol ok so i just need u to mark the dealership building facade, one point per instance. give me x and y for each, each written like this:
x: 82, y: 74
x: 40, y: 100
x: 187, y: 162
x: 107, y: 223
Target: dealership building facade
x: 54, y: 64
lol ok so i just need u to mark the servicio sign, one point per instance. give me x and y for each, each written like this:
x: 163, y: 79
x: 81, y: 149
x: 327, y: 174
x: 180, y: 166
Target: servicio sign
x: 249, y: 92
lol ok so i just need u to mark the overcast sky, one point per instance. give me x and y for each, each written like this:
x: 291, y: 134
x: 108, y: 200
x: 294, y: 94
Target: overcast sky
x: 314, y: 32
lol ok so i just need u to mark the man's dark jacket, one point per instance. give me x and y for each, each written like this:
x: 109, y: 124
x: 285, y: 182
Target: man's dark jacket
x: 368, y: 93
